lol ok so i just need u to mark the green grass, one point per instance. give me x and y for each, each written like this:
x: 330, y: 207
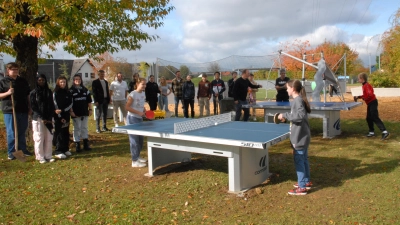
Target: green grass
x: 356, y: 182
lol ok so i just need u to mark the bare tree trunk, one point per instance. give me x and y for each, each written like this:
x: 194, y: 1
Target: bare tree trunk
x: 26, y: 49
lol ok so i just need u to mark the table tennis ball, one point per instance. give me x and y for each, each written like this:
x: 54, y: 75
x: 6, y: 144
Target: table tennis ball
x: 216, y: 124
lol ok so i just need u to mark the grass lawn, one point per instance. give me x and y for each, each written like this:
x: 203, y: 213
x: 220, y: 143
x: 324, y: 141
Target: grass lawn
x: 356, y: 181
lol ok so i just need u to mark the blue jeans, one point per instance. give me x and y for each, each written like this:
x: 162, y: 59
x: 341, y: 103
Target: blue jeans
x: 246, y: 111
x: 101, y: 112
x: 302, y: 167
x: 163, y: 103
x: 135, y: 141
x: 177, y: 99
x: 22, y: 125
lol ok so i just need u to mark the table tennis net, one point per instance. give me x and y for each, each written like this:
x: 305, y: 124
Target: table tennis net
x: 196, y: 124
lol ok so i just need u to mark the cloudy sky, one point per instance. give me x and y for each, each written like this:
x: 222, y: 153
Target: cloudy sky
x: 207, y: 30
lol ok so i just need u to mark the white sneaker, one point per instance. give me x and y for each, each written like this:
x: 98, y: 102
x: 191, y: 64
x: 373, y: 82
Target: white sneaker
x: 116, y: 125
x: 61, y: 156
x: 42, y: 161
x: 142, y: 160
x: 67, y: 153
x: 138, y: 164
x: 51, y: 160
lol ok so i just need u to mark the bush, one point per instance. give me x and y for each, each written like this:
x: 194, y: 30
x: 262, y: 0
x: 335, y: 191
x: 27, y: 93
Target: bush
x: 384, y: 79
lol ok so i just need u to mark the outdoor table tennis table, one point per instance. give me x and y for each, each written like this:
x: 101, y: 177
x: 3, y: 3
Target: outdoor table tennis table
x: 245, y: 144
x: 328, y: 111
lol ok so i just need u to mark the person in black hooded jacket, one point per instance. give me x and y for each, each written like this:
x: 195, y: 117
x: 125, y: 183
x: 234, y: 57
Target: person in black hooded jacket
x: 63, y: 111
x: 188, y: 93
x: 41, y: 99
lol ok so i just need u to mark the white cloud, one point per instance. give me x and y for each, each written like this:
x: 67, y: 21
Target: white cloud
x: 208, y: 30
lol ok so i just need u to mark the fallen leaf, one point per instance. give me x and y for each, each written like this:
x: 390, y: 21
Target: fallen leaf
x: 71, y: 216
x: 83, y: 211
x: 186, y: 203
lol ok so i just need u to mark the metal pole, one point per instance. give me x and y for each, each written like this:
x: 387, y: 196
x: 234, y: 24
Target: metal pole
x: 369, y: 59
x: 303, y: 71
x: 295, y: 58
x: 345, y: 73
x: 54, y: 77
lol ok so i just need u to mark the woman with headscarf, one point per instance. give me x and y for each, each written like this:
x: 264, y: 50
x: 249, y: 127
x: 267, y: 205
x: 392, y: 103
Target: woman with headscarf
x: 41, y: 99
x: 82, y: 107
x: 63, y: 109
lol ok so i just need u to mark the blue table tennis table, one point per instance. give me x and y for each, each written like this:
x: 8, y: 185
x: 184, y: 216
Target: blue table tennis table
x: 328, y: 111
x: 245, y: 144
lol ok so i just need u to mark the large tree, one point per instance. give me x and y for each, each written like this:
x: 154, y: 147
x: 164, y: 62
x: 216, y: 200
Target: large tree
x: 83, y: 27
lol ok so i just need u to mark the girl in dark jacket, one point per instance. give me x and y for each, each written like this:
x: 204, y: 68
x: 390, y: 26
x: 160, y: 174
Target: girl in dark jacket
x: 41, y: 99
x: 82, y: 108
x: 63, y: 110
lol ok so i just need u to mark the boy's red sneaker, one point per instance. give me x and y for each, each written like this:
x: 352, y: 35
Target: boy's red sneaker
x: 298, y: 191
x: 308, y: 185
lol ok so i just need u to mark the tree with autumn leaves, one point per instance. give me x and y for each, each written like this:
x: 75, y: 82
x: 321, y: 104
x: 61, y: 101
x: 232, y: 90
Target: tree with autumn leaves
x: 389, y: 73
x: 333, y: 54
x: 83, y: 27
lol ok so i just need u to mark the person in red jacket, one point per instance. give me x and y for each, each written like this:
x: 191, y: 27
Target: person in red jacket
x: 372, y: 107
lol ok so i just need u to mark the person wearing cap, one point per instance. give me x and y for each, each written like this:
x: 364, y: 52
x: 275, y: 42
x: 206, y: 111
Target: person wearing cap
x: 280, y: 86
x: 204, y: 95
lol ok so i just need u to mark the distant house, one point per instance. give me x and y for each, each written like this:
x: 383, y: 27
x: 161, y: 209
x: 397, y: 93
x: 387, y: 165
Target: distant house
x: 53, y: 68
x: 85, y: 68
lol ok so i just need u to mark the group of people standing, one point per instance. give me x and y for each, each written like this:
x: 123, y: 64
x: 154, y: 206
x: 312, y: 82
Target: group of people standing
x: 51, y: 114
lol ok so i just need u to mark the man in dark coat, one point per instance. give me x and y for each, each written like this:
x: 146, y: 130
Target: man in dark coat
x: 101, y: 100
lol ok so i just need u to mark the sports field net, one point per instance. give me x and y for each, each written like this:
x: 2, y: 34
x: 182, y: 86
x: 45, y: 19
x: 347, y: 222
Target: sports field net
x: 196, y: 124
x: 231, y: 63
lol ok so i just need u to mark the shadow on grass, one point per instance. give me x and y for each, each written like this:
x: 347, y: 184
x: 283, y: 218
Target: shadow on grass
x: 326, y: 171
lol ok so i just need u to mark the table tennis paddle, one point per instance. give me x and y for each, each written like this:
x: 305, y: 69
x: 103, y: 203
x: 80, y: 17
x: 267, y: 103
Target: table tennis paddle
x: 149, y: 115
x: 276, y: 120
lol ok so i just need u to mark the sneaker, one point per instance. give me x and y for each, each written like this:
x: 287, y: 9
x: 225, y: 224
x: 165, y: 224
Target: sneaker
x: 67, y: 153
x: 385, y: 136
x: 308, y: 185
x: 105, y: 129
x: 42, y: 161
x: 11, y: 157
x: 142, y: 160
x: 28, y: 154
x: 137, y: 163
x: 98, y: 131
x: 50, y: 160
x: 298, y: 191
x: 61, y: 156
x: 370, y: 135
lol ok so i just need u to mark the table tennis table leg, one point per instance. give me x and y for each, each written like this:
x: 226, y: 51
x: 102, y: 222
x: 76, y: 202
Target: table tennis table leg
x: 234, y: 171
x: 159, y: 156
x: 247, y: 168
